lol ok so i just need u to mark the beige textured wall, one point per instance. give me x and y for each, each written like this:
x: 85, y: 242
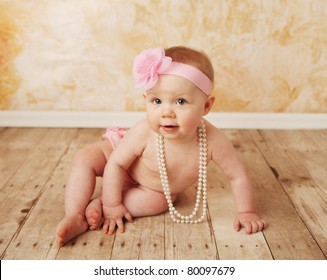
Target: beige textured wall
x: 269, y: 56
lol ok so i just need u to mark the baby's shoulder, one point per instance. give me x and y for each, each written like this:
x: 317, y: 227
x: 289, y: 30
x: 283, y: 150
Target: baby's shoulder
x: 141, y: 127
x: 140, y: 131
x: 135, y: 140
x: 212, y: 130
x: 215, y: 135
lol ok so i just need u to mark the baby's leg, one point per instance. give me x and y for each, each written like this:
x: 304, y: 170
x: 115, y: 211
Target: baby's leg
x: 93, y: 213
x: 141, y: 201
x: 88, y: 164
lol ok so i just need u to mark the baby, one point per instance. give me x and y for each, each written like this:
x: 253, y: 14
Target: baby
x: 161, y: 156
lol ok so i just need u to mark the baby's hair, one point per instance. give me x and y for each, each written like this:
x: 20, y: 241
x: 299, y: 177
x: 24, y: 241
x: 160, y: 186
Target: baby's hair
x: 192, y: 57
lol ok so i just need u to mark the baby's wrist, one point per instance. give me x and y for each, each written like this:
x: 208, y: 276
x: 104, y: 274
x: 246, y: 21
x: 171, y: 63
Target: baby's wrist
x: 247, y: 212
x: 246, y: 209
x: 110, y: 205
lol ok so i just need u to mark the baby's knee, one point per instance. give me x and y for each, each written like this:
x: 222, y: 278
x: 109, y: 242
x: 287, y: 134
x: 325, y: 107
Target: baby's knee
x: 160, y: 204
x: 91, y: 157
x: 82, y: 155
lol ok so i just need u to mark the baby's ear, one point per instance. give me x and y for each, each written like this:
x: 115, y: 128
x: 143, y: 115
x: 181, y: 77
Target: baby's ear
x: 208, y: 104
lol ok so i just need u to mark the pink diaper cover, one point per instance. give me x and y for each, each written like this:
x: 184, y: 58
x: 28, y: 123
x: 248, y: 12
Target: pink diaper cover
x: 114, y: 135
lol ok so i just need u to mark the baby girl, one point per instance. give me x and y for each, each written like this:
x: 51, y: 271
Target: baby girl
x: 146, y: 167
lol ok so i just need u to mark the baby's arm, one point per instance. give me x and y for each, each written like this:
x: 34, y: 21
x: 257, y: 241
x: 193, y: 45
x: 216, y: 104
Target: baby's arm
x: 130, y: 147
x: 224, y: 154
x: 113, y: 209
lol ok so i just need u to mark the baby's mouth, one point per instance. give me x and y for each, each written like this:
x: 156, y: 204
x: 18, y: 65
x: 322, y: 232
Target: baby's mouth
x: 169, y: 127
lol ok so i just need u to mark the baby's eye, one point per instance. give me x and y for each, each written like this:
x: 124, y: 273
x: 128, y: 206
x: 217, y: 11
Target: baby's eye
x: 156, y: 101
x: 181, y: 101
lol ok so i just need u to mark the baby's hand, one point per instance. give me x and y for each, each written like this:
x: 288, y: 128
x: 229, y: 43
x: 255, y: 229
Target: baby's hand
x: 250, y: 221
x: 114, y: 216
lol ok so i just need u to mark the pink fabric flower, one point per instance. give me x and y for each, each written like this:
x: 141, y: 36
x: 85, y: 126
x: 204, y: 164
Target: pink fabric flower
x: 147, y: 65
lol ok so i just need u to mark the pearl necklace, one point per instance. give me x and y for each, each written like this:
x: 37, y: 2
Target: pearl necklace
x: 202, y: 181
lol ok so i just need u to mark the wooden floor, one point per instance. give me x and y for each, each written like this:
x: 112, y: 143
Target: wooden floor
x: 289, y: 175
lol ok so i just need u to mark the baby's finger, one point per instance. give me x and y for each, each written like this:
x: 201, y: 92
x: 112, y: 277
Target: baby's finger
x: 105, y: 226
x: 248, y: 227
x: 254, y: 227
x: 112, y: 226
x: 261, y: 225
x: 128, y: 217
x: 265, y: 224
x: 237, y: 225
x: 120, y: 225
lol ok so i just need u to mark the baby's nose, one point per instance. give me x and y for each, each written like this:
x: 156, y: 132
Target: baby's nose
x: 168, y: 114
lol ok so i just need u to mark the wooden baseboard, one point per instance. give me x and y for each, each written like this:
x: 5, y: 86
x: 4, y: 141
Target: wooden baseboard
x: 127, y: 119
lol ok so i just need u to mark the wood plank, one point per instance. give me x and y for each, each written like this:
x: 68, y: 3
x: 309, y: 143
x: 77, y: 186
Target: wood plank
x: 295, y: 168
x: 91, y: 245
x: 293, y: 231
x: 308, y: 158
x: 22, y: 192
x: 142, y: 240
x: 231, y: 244
x: 315, y: 164
x: 309, y: 154
x: 14, y: 149
x: 189, y: 241
x: 318, y: 137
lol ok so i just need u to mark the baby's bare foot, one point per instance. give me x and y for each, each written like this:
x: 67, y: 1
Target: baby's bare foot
x: 70, y: 227
x: 93, y: 214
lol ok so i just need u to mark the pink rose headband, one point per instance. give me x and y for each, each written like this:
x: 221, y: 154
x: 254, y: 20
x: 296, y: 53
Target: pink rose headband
x: 151, y: 63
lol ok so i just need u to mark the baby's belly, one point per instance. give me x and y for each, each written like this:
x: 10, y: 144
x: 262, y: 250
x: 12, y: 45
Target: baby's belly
x: 153, y: 182
x: 146, y: 174
x: 147, y: 181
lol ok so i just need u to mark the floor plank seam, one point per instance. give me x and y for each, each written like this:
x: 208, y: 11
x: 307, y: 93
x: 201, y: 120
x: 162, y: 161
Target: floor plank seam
x: 212, y: 233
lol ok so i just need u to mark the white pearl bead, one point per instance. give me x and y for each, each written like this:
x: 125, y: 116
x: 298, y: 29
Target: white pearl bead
x: 201, y: 181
